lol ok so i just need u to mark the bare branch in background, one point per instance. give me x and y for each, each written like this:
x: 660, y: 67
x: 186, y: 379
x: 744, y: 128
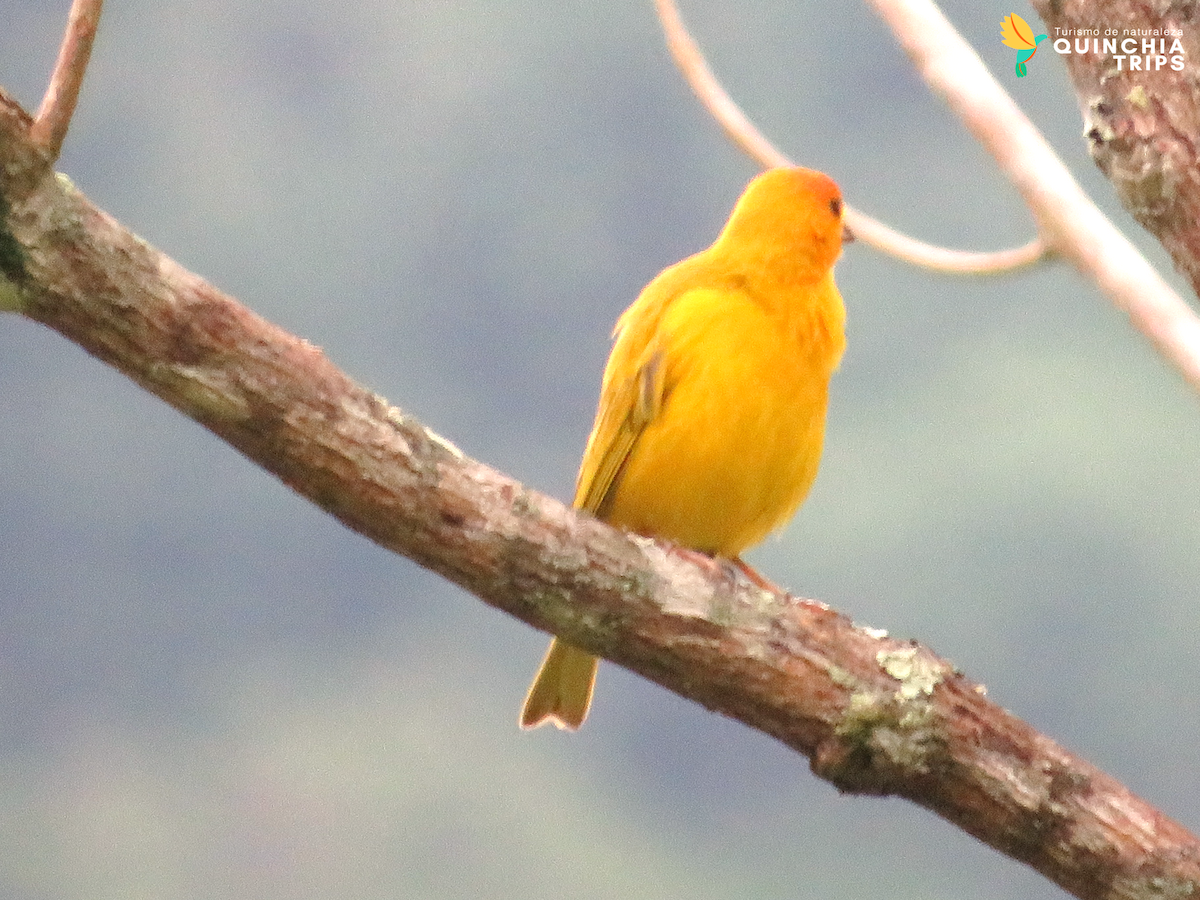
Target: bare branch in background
x: 58, y: 105
x: 1068, y: 221
x: 871, y: 231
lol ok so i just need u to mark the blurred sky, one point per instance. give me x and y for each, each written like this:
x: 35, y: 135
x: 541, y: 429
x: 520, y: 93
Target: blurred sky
x: 210, y: 689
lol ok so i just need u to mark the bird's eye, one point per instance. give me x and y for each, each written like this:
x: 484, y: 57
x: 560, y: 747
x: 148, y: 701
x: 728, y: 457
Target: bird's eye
x: 835, y: 206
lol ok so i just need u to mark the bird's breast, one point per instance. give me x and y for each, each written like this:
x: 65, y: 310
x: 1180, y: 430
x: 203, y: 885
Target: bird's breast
x: 735, y: 446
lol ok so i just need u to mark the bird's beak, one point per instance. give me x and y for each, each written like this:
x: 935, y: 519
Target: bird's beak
x: 847, y: 235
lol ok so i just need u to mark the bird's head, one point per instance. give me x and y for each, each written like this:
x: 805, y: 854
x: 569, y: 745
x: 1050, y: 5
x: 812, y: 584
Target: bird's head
x: 787, y: 217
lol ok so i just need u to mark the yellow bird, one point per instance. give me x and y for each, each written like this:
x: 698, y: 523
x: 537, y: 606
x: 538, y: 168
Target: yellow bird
x: 712, y: 408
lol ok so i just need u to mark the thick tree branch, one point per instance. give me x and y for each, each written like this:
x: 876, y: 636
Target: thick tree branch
x: 1142, y: 126
x: 874, y: 715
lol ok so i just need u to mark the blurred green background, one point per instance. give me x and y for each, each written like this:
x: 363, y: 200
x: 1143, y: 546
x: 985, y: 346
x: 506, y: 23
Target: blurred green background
x: 210, y: 689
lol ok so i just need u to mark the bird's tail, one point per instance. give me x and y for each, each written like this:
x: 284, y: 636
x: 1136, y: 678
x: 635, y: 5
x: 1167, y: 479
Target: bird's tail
x: 1022, y: 70
x: 562, y: 689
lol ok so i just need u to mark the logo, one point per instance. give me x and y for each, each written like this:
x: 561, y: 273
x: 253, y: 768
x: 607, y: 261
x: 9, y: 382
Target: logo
x: 1016, y: 33
x: 1131, y: 49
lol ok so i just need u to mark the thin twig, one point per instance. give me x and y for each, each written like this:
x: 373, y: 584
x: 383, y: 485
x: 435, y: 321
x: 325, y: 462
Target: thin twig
x: 742, y: 131
x: 1068, y: 221
x: 53, y: 118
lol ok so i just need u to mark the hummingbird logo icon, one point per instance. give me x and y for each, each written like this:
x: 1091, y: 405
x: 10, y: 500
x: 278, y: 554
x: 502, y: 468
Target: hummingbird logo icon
x: 1016, y: 33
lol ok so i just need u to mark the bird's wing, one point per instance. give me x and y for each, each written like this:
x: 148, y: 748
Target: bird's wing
x: 1016, y: 33
x: 634, y: 390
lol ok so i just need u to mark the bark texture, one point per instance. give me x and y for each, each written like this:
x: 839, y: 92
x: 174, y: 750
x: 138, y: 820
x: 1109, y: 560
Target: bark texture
x: 1141, y: 124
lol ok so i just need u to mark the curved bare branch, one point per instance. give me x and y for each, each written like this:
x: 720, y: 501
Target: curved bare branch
x: 871, y: 231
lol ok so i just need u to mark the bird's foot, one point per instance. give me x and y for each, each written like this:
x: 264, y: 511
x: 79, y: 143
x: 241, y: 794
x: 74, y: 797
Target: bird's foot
x: 731, y: 568
x: 755, y: 578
